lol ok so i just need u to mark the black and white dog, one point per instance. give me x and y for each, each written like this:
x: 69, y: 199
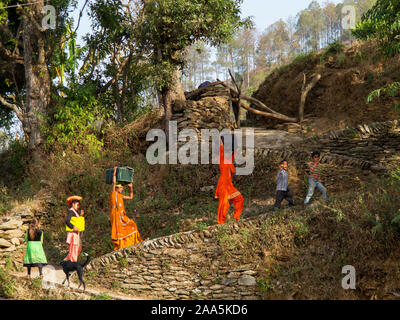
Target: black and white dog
x: 69, y: 266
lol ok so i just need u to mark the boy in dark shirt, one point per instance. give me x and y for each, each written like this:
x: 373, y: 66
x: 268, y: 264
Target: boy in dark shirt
x: 282, y: 186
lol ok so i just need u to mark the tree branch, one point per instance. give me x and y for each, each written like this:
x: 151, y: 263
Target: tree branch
x: 276, y: 116
x: 250, y: 99
x: 304, y: 92
x: 16, y: 58
x: 11, y: 106
x: 234, y: 82
x: 80, y: 16
x: 33, y: 20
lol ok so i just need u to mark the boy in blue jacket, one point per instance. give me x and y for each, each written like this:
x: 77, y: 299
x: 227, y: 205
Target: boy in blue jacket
x: 282, y: 186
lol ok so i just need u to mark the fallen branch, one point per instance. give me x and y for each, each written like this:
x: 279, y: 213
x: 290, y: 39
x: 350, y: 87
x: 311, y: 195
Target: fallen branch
x: 276, y: 116
x: 270, y: 114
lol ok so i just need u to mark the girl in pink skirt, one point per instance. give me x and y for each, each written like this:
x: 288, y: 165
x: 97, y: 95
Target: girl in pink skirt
x: 74, y: 241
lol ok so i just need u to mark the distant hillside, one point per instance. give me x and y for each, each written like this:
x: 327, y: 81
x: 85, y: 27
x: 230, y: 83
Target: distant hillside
x: 340, y: 98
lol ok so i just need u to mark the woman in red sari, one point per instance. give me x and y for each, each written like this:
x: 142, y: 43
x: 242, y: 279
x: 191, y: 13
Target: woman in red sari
x: 124, y: 231
x: 226, y: 192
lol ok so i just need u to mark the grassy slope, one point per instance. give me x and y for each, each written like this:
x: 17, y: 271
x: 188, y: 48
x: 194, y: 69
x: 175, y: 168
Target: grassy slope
x: 340, y: 98
x: 300, y: 251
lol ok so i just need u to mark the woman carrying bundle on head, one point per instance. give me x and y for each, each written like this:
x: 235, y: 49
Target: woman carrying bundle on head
x: 226, y: 193
x: 73, y: 221
x: 34, y: 255
x: 124, y: 231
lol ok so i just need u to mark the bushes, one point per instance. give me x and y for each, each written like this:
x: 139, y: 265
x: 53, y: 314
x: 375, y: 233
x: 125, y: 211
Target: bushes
x: 14, y: 163
x: 380, y: 205
x: 304, y: 58
x: 7, y: 284
x: 333, y: 49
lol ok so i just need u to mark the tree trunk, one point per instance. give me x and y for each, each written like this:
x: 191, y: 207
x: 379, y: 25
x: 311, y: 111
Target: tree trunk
x: 174, y: 91
x: 37, y: 82
x: 166, y: 102
x: 236, y: 112
x: 304, y: 92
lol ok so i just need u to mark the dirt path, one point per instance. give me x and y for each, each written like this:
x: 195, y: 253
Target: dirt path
x: 271, y: 139
x: 53, y: 276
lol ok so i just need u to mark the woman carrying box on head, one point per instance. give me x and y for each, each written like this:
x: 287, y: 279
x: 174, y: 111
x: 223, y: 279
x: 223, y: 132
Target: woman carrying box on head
x: 226, y: 193
x: 124, y: 231
x: 73, y: 223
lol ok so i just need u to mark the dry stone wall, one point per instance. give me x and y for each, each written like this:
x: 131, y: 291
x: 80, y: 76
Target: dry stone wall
x: 12, y: 231
x: 181, y: 266
x: 207, y: 113
x: 374, y: 146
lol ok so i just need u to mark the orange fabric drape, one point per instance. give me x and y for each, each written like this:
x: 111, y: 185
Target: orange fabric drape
x: 226, y: 192
x: 124, y: 231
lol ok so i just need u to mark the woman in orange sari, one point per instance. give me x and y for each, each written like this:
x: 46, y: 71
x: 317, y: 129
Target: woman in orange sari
x: 124, y: 231
x: 226, y: 192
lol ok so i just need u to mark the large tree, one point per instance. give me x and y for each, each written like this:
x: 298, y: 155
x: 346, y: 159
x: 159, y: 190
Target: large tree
x: 25, y: 50
x: 165, y: 28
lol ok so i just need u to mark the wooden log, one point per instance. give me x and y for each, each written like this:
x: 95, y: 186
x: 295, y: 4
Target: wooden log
x: 277, y: 116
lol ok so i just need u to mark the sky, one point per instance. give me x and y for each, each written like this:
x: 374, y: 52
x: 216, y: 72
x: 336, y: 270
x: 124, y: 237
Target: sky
x: 264, y: 12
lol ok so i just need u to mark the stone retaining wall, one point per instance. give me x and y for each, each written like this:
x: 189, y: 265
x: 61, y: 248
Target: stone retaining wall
x: 181, y: 266
x: 12, y: 232
x: 207, y: 113
x: 372, y: 146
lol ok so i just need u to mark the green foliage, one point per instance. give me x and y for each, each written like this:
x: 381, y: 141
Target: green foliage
x: 75, y: 119
x: 14, y: 163
x: 168, y: 27
x: 7, y: 284
x: 381, y: 22
x: 301, y: 230
x: 341, y: 59
x: 264, y: 285
x: 102, y: 296
x: 123, y: 262
x: 333, y: 49
x: 304, y: 58
x: 361, y: 56
x: 390, y: 90
x: 380, y: 205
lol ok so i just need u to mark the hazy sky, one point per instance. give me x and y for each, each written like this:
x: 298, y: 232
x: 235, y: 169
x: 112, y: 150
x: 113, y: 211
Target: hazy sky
x: 264, y: 12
